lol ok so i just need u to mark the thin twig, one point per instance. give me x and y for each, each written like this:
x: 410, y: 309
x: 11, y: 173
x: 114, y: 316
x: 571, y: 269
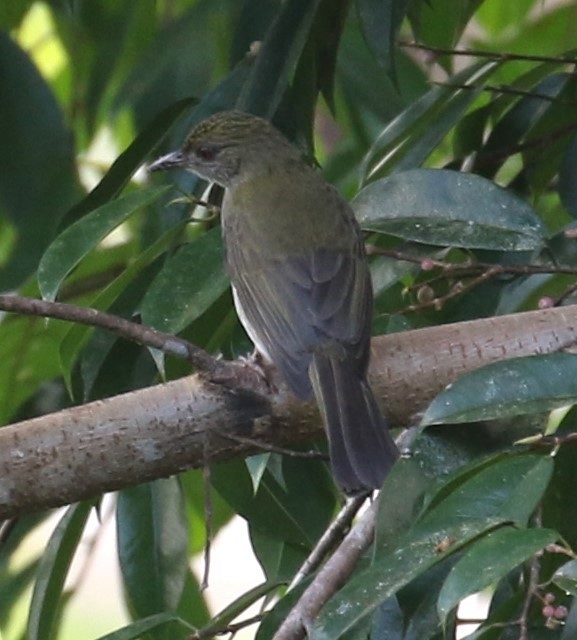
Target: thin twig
x: 271, y: 448
x: 330, y: 578
x: 478, y: 53
x: 504, y: 89
x: 147, y: 336
x: 330, y: 538
x: 207, y: 484
x: 209, y: 631
x: 531, y: 589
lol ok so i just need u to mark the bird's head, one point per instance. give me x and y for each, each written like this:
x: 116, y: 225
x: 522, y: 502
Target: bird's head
x: 225, y: 146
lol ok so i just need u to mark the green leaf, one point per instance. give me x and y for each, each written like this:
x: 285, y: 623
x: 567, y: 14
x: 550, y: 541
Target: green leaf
x: 83, y: 236
x: 369, y: 588
x: 408, y: 140
x: 566, y: 577
x: 488, y: 560
x: 45, y: 607
x: 239, y: 606
x: 38, y: 178
x: 509, y: 388
x: 277, y: 57
x: 479, y: 504
x: 279, y: 560
x: 276, y: 510
x: 380, y: 22
x: 123, y: 168
x: 153, y: 545
x: 190, y: 282
x: 78, y: 335
x: 449, y: 208
x: 441, y: 22
x: 256, y: 466
x: 141, y: 627
x: 508, y: 489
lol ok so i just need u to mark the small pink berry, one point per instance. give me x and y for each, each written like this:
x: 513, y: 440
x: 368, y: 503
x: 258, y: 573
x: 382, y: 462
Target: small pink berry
x: 548, y: 611
x: 427, y: 264
x: 546, y: 302
x: 549, y: 597
x: 560, y: 612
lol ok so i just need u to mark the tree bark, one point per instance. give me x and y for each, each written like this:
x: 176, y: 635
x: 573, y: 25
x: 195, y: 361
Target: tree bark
x: 159, y: 431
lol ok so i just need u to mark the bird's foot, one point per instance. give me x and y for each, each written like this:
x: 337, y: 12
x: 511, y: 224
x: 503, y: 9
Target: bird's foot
x: 249, y: 372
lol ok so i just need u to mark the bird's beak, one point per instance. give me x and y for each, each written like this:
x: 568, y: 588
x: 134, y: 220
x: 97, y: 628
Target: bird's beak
x: 171, y: 160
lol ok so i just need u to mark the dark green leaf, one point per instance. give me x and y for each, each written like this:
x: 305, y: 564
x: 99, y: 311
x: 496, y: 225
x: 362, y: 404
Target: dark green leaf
x: 78, y: 335
x: 38, y: 180
x: 153, y: 545
x: 278, y: 559
x: 409, y: 139
x: 368, y: 588
x: 277, y: 510
x: 508, y: 489
x: 83, y: 236
x: 381, y: 21
x: 52, y: 571
x: 123, y: 168
x: 187, y: 285
x: 277, y: 57
x: 488, y: 560
x: 508, y: 388
x: 449, y: 208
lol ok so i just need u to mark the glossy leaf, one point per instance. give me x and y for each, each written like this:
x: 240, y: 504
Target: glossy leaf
x: 368, y: 588
x: 508, y: 489
x: 488, y: 560
x: 449, y: 208
x: 191, y: 280
x: 153, y: 546
x: 508, y: 388
x: 408, y: 140
x: 84, y: 236
x: 482, y: 503
x: 45, y: 607
x: 566, y: 577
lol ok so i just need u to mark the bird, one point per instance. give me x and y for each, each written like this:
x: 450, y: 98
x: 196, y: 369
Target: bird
x: 300, y: 280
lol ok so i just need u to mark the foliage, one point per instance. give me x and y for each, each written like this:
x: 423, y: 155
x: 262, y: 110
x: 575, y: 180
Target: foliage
x: 455, y: 159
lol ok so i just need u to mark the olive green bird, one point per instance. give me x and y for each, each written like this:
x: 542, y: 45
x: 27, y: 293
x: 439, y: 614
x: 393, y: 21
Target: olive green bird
x: 300, y: 278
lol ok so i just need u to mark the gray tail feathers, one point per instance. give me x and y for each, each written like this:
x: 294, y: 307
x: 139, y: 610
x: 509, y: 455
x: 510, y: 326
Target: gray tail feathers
x: 361, y: 448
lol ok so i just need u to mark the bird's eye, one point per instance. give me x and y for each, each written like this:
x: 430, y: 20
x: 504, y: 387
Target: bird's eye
x: 206, y: 153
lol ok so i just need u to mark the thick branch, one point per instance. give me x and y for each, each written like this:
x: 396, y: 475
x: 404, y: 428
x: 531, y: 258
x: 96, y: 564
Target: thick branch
x: 159, y: 431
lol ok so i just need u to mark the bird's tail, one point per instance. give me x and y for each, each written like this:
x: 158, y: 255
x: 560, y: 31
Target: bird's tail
x: 362, y: 450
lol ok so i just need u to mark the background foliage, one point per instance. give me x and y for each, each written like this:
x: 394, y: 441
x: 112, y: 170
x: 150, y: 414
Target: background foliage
x: 470, y: 510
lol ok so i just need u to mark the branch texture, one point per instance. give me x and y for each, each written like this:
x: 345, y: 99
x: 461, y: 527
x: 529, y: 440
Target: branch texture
x: 158, y: 431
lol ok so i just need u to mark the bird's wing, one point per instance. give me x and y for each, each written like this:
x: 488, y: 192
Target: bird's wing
x: 296, y: 305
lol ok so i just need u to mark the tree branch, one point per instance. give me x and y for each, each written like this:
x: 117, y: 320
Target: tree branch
x: 330, y: 578
x: 155, y: 432
x: 165, y: 342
